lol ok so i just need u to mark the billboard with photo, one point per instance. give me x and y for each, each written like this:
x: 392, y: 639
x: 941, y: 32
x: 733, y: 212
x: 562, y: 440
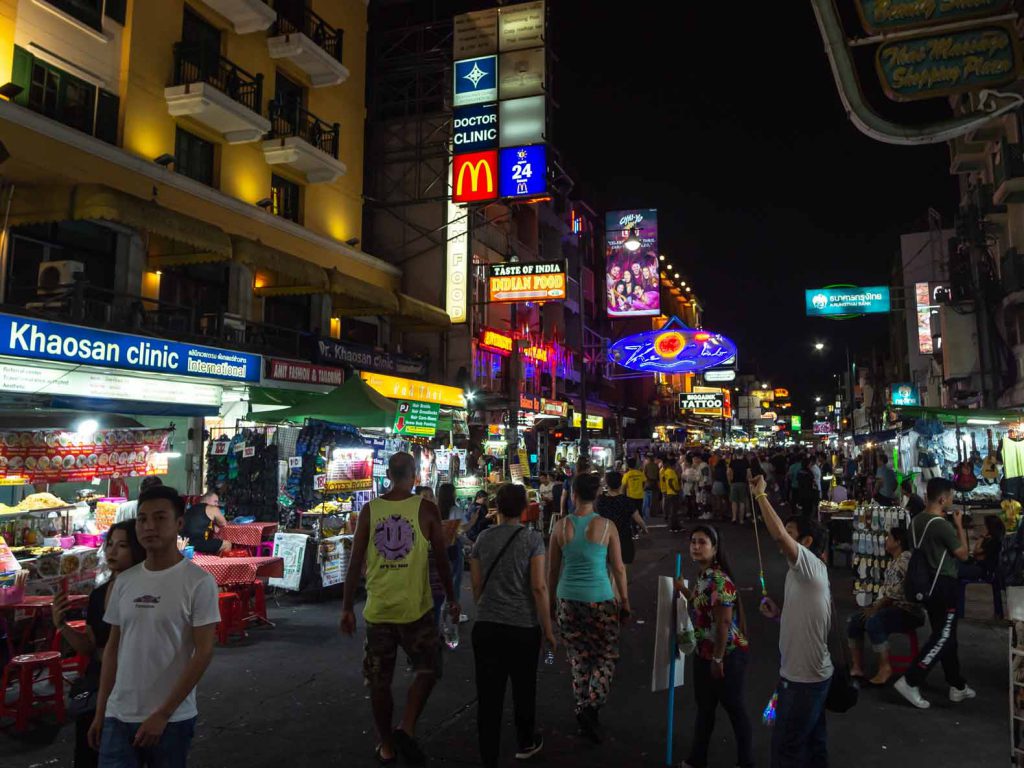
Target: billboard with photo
x: 632, y: 280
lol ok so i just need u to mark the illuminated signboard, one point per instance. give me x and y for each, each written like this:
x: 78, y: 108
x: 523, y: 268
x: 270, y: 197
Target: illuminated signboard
x: 522, y: 121
x: 672, y: 350
x: 723, y: 375
x: 398, y: 388
x: 416, y: 419
x: 521, y: 73
x: 475, y: 177
x: 540, y: 354
x: 523, y: 171
x: 927, y: 297
x: 537, y: 281
x: 521, y: 25
x: 476, y: 81
x: 558, y: 408
x: 889, y: 15
x: 691, y: 401
x: 781, y: 393
x: 475, y: 128
x: 495, y: 341
x: 632, y: 277
x: 824, y: 428
x: 593, y: 422
x: 840, y: 301
x: 905, y: 394
x: 456, y: 299
x: 795, y: 423
x: 476, y: 33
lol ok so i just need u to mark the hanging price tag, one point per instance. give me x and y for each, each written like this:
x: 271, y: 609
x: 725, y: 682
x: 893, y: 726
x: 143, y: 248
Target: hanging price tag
x: 239, y: 448
x: 294, y: 462
x: 220, y: 448
x: 319, y: 482
x: 249, y: 452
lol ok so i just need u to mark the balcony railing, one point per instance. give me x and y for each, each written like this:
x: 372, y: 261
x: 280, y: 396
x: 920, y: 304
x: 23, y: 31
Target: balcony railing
x: 293, y: 120
x: 197, y: 64
x: 315, y: 28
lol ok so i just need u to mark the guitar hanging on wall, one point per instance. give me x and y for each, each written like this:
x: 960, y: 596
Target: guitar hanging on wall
x: 964, y: 479
x: 990, y: 464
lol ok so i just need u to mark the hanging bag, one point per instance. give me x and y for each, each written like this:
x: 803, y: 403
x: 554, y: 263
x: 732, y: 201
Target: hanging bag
x: 920, y: 581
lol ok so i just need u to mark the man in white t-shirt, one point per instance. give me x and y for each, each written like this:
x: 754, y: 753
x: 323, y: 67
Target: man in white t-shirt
x: 163, y: 613
x: 799, y: 736
x: 129, y: 509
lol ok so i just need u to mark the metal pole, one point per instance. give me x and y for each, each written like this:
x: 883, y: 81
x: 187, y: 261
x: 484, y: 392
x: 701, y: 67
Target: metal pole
x: 849, y: 389
x: 584, y: 436
x: 673, y: 653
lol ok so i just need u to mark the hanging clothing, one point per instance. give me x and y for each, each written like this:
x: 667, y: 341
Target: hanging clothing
x: 1013, y: 458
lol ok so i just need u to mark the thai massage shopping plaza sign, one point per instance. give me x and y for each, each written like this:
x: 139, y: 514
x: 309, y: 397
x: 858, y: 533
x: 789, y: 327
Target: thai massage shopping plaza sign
x: 28, y: 337
x: 924, y: 67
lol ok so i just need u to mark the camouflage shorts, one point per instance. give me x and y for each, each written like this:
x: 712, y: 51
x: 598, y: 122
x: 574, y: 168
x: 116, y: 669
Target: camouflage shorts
x: 419, y: 639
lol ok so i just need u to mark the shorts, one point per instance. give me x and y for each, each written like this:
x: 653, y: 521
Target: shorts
x: 419, y: 639
x: 718, y: 488
x: 739, y: 493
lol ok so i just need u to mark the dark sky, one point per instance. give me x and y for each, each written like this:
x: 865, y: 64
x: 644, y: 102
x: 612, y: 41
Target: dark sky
x: 725, y: 117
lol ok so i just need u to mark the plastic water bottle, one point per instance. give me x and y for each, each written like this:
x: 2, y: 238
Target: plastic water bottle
x: 450, y: 631
x: 549, y: 656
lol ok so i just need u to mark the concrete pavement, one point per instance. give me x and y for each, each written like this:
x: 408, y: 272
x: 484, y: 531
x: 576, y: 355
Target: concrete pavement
x: 293, y: 696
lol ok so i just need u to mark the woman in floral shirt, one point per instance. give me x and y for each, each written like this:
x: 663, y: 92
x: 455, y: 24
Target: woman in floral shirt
x: 720, y: 661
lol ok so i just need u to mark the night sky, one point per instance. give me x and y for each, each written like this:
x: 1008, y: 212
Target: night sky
x: 738, y: 137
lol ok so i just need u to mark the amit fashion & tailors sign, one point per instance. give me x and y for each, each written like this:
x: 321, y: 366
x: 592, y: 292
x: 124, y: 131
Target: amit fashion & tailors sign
x: 304, y: 373
x: 43, y: 340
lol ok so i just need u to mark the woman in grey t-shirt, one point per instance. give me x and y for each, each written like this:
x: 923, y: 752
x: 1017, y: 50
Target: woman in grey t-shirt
x: 508, y: 569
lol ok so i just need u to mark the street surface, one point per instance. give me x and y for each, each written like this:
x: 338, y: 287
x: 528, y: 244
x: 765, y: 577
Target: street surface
x: 293, y: 695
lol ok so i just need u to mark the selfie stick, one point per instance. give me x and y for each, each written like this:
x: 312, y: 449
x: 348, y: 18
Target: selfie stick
x: 674, y: 652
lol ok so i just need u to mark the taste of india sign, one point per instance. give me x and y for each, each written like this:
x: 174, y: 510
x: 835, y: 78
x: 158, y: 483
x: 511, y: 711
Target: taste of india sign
x: 943, y: 65
x: 889, y: 15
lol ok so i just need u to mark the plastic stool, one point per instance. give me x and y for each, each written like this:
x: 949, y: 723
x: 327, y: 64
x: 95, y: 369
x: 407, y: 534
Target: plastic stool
x: 78, y: 662
x: 265, y: 549
x: 900, y: 664
x: 997, y: 594
x: 230, y: 623
x: 25, y: 667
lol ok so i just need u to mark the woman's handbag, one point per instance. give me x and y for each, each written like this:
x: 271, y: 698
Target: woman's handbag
x: 843, y: 691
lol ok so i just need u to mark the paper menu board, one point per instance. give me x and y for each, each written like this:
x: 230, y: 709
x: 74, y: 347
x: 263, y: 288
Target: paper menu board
x: 291, y: 547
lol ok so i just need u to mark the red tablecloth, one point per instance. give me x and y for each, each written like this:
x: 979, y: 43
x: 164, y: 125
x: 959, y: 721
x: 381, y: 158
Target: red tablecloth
x: 247, y: 534
x: 239, y: 570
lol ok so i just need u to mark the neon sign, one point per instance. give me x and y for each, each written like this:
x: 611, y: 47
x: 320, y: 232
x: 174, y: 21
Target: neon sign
x: 496, y: 341
x: 540, y: 354
x: 674, y: 348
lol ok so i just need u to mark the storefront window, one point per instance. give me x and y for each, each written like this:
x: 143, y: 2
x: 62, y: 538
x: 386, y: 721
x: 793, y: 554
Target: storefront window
x: 489, y: 371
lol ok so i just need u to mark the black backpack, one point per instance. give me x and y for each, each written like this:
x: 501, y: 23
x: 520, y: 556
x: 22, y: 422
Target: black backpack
x: 920, y: 579
x: 1011, y: 559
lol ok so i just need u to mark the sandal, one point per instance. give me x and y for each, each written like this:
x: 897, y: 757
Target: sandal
x: 409, y: 748
x: 384, y: 760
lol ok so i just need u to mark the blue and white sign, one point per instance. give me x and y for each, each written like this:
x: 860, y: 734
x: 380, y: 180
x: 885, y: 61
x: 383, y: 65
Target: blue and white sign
x: 847, y: 301
x: 475, y: 128
x: 476, y: 81
x: 905, y: 394
x: 673, y: 349
x: 43, y: 340
x: 523, y: 171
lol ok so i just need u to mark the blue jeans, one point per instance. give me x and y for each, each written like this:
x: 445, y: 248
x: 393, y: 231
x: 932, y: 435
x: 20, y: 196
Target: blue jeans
x: 116, y: 750
x: 457, y: 562
x: 799, y: 739
x: 885, y: 621
x: 648, y: 499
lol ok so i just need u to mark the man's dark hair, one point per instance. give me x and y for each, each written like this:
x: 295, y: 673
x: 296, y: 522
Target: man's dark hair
x: 586, y: 485
x: 900, y: 534
x: 164, y: 492
x: 511, y: 499
x: 479, y: 495
x: 631, y: 463
x: 806, y: 527
x: 614, y: 480
x: 150, y: 482
x: 939, y: 487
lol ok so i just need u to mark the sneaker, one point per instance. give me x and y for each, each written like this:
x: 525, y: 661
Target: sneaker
x: 463, y: 618
x: 912, y: 694
x: 956, y: 695
x: 525, y: 753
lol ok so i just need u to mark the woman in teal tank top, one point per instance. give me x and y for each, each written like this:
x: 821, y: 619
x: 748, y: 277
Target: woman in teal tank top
x: 583, y: 550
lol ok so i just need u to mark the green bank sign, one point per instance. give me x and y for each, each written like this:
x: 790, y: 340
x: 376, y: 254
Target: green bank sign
x: 943, y: 65
x: 889, y: 15
x: 838, y: 301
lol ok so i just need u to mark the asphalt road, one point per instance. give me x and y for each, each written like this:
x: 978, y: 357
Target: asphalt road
x: 293, y: 695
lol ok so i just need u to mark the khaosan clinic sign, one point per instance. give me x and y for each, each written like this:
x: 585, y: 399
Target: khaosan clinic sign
x: 43, y: 340
x: 839, y: 301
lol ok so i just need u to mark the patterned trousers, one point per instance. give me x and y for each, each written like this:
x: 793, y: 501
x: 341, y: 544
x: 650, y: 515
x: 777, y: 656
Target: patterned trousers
x: 591, y: 635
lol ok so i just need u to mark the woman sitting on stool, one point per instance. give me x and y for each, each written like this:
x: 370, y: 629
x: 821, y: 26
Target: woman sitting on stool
x: 890, y: 613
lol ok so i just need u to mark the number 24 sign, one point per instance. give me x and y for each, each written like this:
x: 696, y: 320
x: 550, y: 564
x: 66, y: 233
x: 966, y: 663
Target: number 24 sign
x: 522, y: 171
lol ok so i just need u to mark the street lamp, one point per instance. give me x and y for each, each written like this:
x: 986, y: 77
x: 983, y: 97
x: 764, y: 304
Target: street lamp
x: 819, y: 345
x: 817, y: 399
x: 632, y: 242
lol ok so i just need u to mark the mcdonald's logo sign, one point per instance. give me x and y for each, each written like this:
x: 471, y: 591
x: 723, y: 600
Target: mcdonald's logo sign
x: 475, y: 177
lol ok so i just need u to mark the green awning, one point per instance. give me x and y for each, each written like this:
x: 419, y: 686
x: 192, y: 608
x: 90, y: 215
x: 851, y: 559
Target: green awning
x: 353, y: 403
x: 960, y: 415
x: 285, y: 398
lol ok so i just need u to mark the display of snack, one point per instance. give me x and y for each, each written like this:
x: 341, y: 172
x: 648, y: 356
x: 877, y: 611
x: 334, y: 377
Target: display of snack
x: 106, y: 512
x: 38, y: 501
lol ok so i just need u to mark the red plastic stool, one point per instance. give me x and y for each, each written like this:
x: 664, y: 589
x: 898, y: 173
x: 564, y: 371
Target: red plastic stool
x: 900, y: 664
x: 230, y: 605
x: 25, y: 667
x: 78, y: 662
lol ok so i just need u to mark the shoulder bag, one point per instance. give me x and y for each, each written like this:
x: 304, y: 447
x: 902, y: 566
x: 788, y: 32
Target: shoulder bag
x: 501, y: 553
x: 919, y: 582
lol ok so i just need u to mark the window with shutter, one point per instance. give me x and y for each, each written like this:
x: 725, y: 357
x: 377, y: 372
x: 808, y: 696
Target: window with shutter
x: 107, y: 105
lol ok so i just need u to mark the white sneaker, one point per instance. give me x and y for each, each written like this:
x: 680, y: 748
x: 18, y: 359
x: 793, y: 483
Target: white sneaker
x: 956, y: 695
x: 912, y: 694
x: 463, y: 618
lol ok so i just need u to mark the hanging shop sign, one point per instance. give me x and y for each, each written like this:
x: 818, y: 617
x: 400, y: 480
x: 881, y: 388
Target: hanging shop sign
x: 416, y: 419
x: 421, y: 391
x: 349, y: 469
x: 456, y: 274
x: 475, y: 177
x: 558, y: 408
x: 594, y: 422
x: 689, y: 401
x: 781, y: 393
x: 889, y: 15
x: 68, y: 381
x: 365, y: 358
x: 523, y: 171
x: 905, y: 394
x: 537, y: 354
x: 495, y: 341
x: 536, y: 281
x: 52, y: 456
x: 824, y: 428
x: 304, y: 373
x: 673, y: 349
x: 45, y: 340
x: 632, y: 276
x: 723, y: 375
x: 476, y: 81
x: 529, y: 403
x: 475, y: 33
x: 795, y: 423
x: 944, y: 65
x: 843, y: 301
x: 475, y: 128
x: 521, y: 26
x: 522, y: 121
x: 521, y: 73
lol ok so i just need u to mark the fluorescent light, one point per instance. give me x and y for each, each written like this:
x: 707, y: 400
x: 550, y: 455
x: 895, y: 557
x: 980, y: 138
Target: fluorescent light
x: 984, y: 422
x: 87, y: 427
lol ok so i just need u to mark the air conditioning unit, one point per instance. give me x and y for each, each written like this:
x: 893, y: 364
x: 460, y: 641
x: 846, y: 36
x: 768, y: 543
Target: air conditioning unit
x: 56, y: 276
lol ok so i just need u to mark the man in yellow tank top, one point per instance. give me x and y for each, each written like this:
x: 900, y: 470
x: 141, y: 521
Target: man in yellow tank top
x: 393, y: 540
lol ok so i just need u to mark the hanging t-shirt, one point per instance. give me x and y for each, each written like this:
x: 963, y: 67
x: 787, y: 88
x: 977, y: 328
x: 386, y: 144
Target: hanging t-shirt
x: 156, y: 611
x: 1013, y: 458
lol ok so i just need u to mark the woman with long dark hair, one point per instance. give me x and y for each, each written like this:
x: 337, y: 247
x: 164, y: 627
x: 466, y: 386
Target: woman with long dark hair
x: 720, y: 661
x: 456, y: 557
